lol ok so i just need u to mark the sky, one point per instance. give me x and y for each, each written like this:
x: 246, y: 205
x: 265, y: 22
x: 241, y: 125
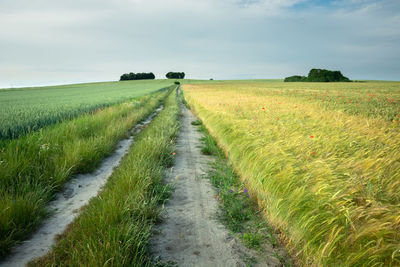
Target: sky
x: 46, y: 42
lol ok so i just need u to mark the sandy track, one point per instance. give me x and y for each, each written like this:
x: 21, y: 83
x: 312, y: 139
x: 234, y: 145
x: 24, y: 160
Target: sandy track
x: 190, y: 235
x: 67, y: 204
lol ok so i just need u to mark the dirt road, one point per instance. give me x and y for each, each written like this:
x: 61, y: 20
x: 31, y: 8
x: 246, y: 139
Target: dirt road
x: 190, y: 235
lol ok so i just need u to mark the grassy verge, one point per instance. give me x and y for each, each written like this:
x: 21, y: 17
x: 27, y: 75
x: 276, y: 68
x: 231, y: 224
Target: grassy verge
x: 34, y: 167
x: 182, y: 97
x: 114, y: 228
x: 240, y: 212
x: 326, y: 178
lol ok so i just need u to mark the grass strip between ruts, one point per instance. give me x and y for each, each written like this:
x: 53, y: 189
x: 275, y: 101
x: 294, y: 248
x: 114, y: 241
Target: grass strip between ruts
x: 34, y: 167
x: 114, y: 228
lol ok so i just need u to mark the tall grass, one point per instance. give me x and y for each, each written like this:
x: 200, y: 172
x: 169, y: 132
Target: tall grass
x: 114, y: 228
x: 240, y: 212
x: 328, y: 178
x: 33, y: 167
x: 25, y: 110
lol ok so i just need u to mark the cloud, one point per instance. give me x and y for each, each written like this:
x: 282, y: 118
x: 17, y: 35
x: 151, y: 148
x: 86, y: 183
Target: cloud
x: 269, y: 5
x: 48, y: 41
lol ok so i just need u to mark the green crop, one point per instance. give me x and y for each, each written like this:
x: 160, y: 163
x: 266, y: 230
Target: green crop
x: 29, y: 109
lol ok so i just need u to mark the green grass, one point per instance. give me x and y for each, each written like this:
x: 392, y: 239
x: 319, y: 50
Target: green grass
x: 25, y: 110
x: 182, y: 97
x: 114, y: 228
x: 196, y: 122
x: 33, y: 167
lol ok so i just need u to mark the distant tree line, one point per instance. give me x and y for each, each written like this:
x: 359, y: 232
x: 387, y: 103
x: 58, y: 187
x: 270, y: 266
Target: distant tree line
x: 175, y: 75
x: 319, y: 75
x: 137, y: 76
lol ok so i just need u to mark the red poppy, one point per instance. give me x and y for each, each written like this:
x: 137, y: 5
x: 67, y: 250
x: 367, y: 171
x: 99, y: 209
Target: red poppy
x: 311, y: 136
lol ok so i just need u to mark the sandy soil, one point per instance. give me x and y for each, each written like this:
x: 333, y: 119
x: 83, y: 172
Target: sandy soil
x: 67, y: 204
x: 190, y: 235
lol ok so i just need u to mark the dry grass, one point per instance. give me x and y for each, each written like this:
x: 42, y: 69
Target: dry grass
x: 323, y: 159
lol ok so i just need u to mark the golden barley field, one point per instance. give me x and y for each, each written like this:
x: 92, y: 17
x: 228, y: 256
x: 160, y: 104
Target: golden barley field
x: 323, y: 160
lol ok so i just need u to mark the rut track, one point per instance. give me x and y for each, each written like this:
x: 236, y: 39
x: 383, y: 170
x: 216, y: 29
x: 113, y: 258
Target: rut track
x: 190, y: 235
x: 67, y: 204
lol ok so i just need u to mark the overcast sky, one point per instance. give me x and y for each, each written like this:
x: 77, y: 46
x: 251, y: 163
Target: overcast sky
x: 54, y: 42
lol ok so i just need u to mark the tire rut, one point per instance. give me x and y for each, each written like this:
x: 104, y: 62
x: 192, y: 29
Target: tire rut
x: 190, y: 235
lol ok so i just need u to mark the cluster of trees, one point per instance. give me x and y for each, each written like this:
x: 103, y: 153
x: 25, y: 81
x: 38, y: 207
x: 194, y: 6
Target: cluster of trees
x: 319, y: 75
x: 150, y: 76
x: 296, y: 78
x: 175, y: 75
x: 137, y: 76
